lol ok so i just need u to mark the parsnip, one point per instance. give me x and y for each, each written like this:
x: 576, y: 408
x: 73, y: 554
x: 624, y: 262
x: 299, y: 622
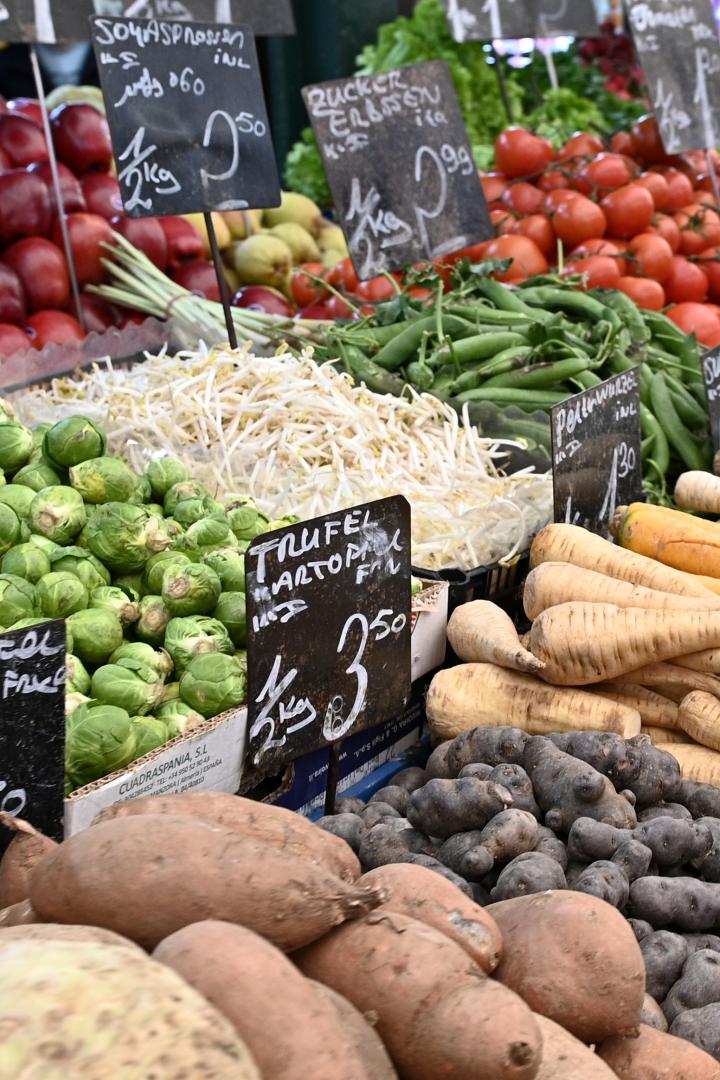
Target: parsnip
x: 672, y: 681
x: 654, y: 709
x: 707, y: 661
x: 697, y: 762
x: 664, y: 735
x: 476, y: 695
x: 700, y: 718
x: 481, y: 632
x: 571, y: 544
x: 699, y: 491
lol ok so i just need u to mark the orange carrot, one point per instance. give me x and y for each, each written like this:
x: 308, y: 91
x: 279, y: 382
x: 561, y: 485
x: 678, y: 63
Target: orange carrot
x: 672, y: 537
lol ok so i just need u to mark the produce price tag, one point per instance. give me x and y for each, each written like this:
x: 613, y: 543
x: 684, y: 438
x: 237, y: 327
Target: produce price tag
x: 597, y: 453
x: 488, y: 20
x: 329, y: 630
x: 400, y: 166
x: 32, y: 727
x: 711, y: 374
x: 680, y: 53
x: 187, y: 116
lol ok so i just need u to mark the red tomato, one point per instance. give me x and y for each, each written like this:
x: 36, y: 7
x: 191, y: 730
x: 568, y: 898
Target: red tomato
x: 680, y: 190
x: 658, y: 187
x: 523, y: 198
x: 377, y: 289
x: 686, y: 281
x: 629, y: 210
x: 667, y: 227
x: 314, y: 311
x: 607, y: 172
x: 704, y: 197
x: 698, y: 319
x: 343, y: 276
x: 474, y: 254
x: 601, y: 247
x: 578, y: 219
x: 554, y: 180
x: 503, y: 221
x: 602, y: 271
x: 303, y: 289
x: 417, y: 292
x: 646, y: 142
x: 557, y: 197
x: 527, y: 258
x: 646, y: 293
x: 13, y: 340
x: 338, y: 309
x: 699, y: 228
x: 54, y: 328
x: 581, y: 144
x: 651, y: 257
x: 709, y: 262
x: 494, y: 185
x: 538, y: 229
x: 520, y: 153
x: 621, y: 143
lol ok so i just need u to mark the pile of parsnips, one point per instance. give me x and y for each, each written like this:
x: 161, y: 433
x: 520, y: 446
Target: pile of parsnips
x: 619, y: 643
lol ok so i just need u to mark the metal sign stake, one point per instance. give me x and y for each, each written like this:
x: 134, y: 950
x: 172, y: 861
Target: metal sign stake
x: 222, y: 280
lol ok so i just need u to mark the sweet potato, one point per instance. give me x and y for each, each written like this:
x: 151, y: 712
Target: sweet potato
x: 290, y: 1030
x: 260, y: 821
x: 24, y: 851
x: 574, y: 959
x: 365, y: 1040
x: 530, y: 873
x: 664, y: 954
x: 566, y: 1058
x: 438, y: 1014
x: 420, y: 894
x: 681, y: 902
x: 21, y: 914
x: 652, y: 1015
x: 698, y: 985
x: 146, y: 877
x: 657, y: 1056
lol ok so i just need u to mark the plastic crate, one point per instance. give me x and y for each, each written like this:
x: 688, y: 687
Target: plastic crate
x: 501, y: 583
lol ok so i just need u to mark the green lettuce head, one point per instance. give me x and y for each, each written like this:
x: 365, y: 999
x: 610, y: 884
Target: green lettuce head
x: 100, y: 740
x: 191, y: 590
x: 96, y: 635
x: 58, y: 595
x: 73, y: 440
x: 25, y: 561
x: 129, y: 685
x: 232, y: 613
x: 210, y: 534
x: 190, y: 637
x: 86, y: 568
x: 185, y: 489
x: 58, y: 513
x: 158, y: 565
x: 213, y: 683
x: 113, y: 599
x: 229, y: 565
x: 246, y: 521
x: 164, y: 474
x: 17, y: 599
x: 123, y: 537
x: 37, y: 475
x: 77, y: 680
x: 179, y: 717
x: 153, y: 621
x: 18, y: 498
x: 9, y: 529
x: 16, y: 445
x: 106, y: 479
x: 150, y: 734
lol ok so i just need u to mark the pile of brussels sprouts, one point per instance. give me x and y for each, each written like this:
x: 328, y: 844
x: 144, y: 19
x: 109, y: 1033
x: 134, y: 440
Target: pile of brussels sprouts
x: 147, y: 570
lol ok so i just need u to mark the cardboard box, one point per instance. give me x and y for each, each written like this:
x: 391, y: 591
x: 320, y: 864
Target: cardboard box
x: 208, y: 759
x: 429, y: 628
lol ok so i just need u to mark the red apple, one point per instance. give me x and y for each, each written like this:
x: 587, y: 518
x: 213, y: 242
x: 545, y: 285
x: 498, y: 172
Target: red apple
x: 22, y: 140
x: 82, y: 137
x: 88, y: 232
x: 13, y: 340
x: 24, y: 206
x: 43, y: 271
x: 23, y: 106
x: 72, y: 196
x: 132, y: 318
x: 199, y: 278
x: 5, y: 162
x: 98, y: 315
x: 183, y: 241
x: 263, y: 298
x: 146, y: 235
x: 13, y: 302
x: 102, y: 195
x: 54, y: 327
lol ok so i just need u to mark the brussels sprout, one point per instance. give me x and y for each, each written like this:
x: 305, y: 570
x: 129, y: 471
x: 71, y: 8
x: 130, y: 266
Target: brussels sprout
x: 48, y: 546
x: 153, y: 621
x: 25, y: 561
x: 18, y: 498
x: 73, y: 440
x: 124, y: 536
x: 150, y: 734
x: 73, y: 700
x: 190, y: 511
x: 106, y: 479
x: 133, y: 585
x: 171, y: 693
x: 113, y: 599
x: 191, y: 590
x: 100, y: 740
x: 3, y: 481
x: 231, y: 612
x: 16, y: 445
x: 157, y: 659
x: 96, y: 634
x: 213, y: 683
x: 58, y: 513
x: 281, y: 523
x: 246, y: 521
x: 17, y: 599
x: 9, y: 529
x: 77, y: 679
x: 185, y: 489
x: 229, y: 565
x: 86, y: 568
x: 138, y: 691
x: 37, y: 475
x: 59, y: 595
x: 155, y: 509
x: 33, y: 621
x: 187, y: 638
x: 159, y: 564
x: 179, y: 717
x: 210, y: 534
x: 164, y: 474
x: 39, y: 431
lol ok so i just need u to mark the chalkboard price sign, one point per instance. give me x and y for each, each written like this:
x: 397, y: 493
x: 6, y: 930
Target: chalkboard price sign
x: 329, y: 649
x: 400, y: 166
x: 32, y: 727
x: 678, y: 44
x: 187, y: 116
x: 597, y: 453
x: 711, y: 374
x: 488, y: 20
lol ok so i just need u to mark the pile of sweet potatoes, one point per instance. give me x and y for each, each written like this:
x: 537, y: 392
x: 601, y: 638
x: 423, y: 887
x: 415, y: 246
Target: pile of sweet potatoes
x: 505, y: 815
x: 206, y: 935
